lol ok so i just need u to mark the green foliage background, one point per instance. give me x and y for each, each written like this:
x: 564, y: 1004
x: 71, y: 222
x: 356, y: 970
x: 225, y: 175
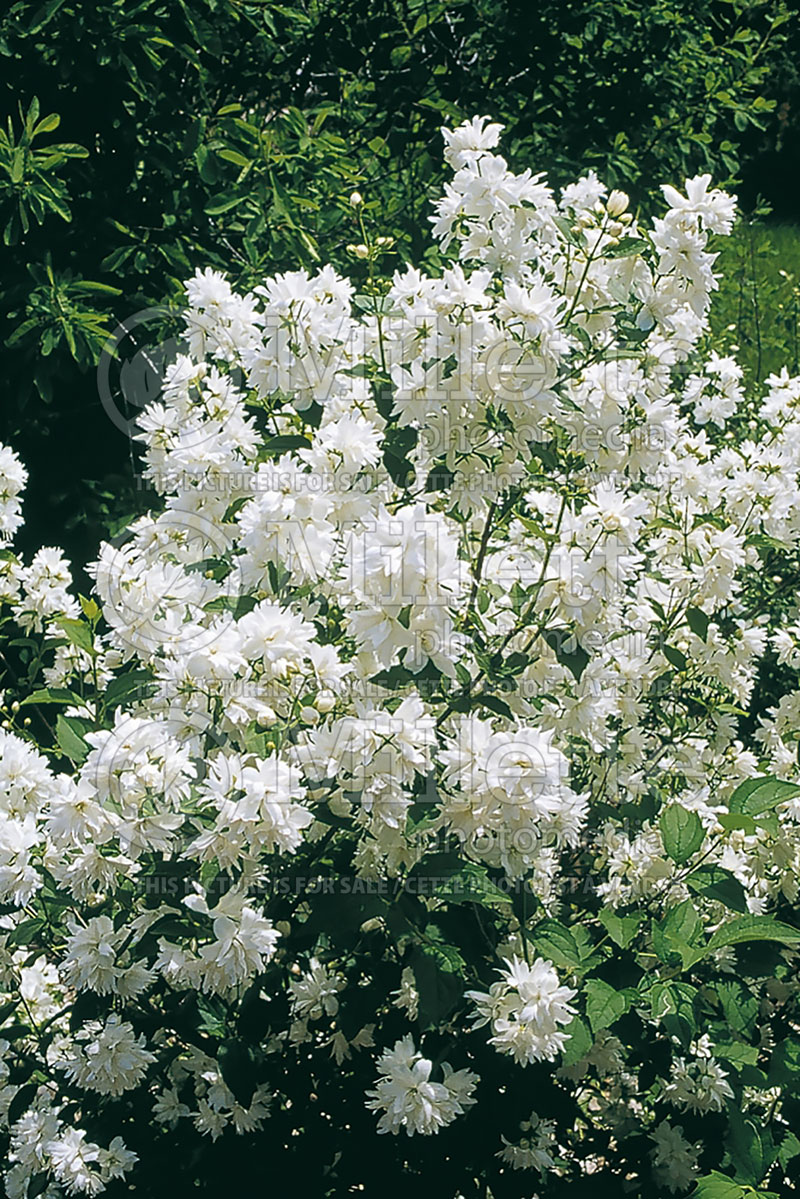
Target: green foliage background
x: 142, y: 140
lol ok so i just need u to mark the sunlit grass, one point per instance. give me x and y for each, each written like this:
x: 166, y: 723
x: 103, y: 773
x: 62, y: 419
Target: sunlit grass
x: 756, y: 312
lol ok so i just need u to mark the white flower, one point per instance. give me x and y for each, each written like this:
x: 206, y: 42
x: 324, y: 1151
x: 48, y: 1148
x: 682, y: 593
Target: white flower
x: 407, y: 995
x: 315, y: 992
x: 700, y: 1085
x: 109, y: 1058
x: 507, y: 795
x: 244, y: 941
x: 534, y: 1151
x: 13, y: 477
x: 407, y: 1097
x: 525, y: 1010
x: 674, y: 1158
x: 72, y: 1159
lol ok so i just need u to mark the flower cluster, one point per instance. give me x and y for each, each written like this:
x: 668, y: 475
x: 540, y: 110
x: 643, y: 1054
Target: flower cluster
x: 527, y: 1011
x: 408, y: 1099
x: 463, y: 637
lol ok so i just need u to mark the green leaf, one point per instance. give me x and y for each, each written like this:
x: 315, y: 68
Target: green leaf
x: 21, y: 1101
x: 69, y: 739
x: 749, y: 1154
x: 38, y: 1184
x: 440, y: 988
x: 90, y: 608
x: 621, y: 929
x: 697, y: 621
x: 784, y: 1066
x: 47, y: 124
x: 124, y: 686
x: 715, y: 883
x: 24, y: 933
x: 221, y: 203
x: 739, y: 1006
x: 758, y: 795
x: 579, y: 1043
x: 737, y: 820
x: 77, y: 633
x: 51, y: 695
x: 576, y: 659
x: 604, y: 1005
x: 555, y: 942
x: 283, y: 442
x: 681, y: 832
x: 674, y: 657
x: 677, y: 935
x: 471, y: 884
x: 736, y: 1052
x: 447, y: 876
x: 673, y: 1005
x: 754, y: 928
x: 626, y: 247
x: 238, y: 1063
x: 716, y: 1186
x: 682, y: 922
x: 789, y: 1149
x: 38, y: 21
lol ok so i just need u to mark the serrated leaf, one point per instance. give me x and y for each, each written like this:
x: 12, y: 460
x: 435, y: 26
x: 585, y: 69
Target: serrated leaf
x: 715, y: 883
x: 716, y: 1186
x: 440, y: 990
x: 789, y: 1148
x: 697, y: 621
x: 754, y: 796
x: 731, y: 821
x: 626, y: 247
x: 77, y: 633
x: 681, y: 832
x: 69, y: 739
x: 579, y: 1043
x: 51, y: 695
x: 554, y: 941
x: 754, y: 928
x: 621, y: 929
x: 749, y: 1153
x: 604, y: 1004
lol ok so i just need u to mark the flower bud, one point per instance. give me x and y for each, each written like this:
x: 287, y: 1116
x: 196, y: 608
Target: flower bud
x: 356, y: 200
x: 617, y: 203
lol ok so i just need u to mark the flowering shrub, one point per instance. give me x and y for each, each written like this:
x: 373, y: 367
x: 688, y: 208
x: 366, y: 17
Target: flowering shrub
x: 410, y: 772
